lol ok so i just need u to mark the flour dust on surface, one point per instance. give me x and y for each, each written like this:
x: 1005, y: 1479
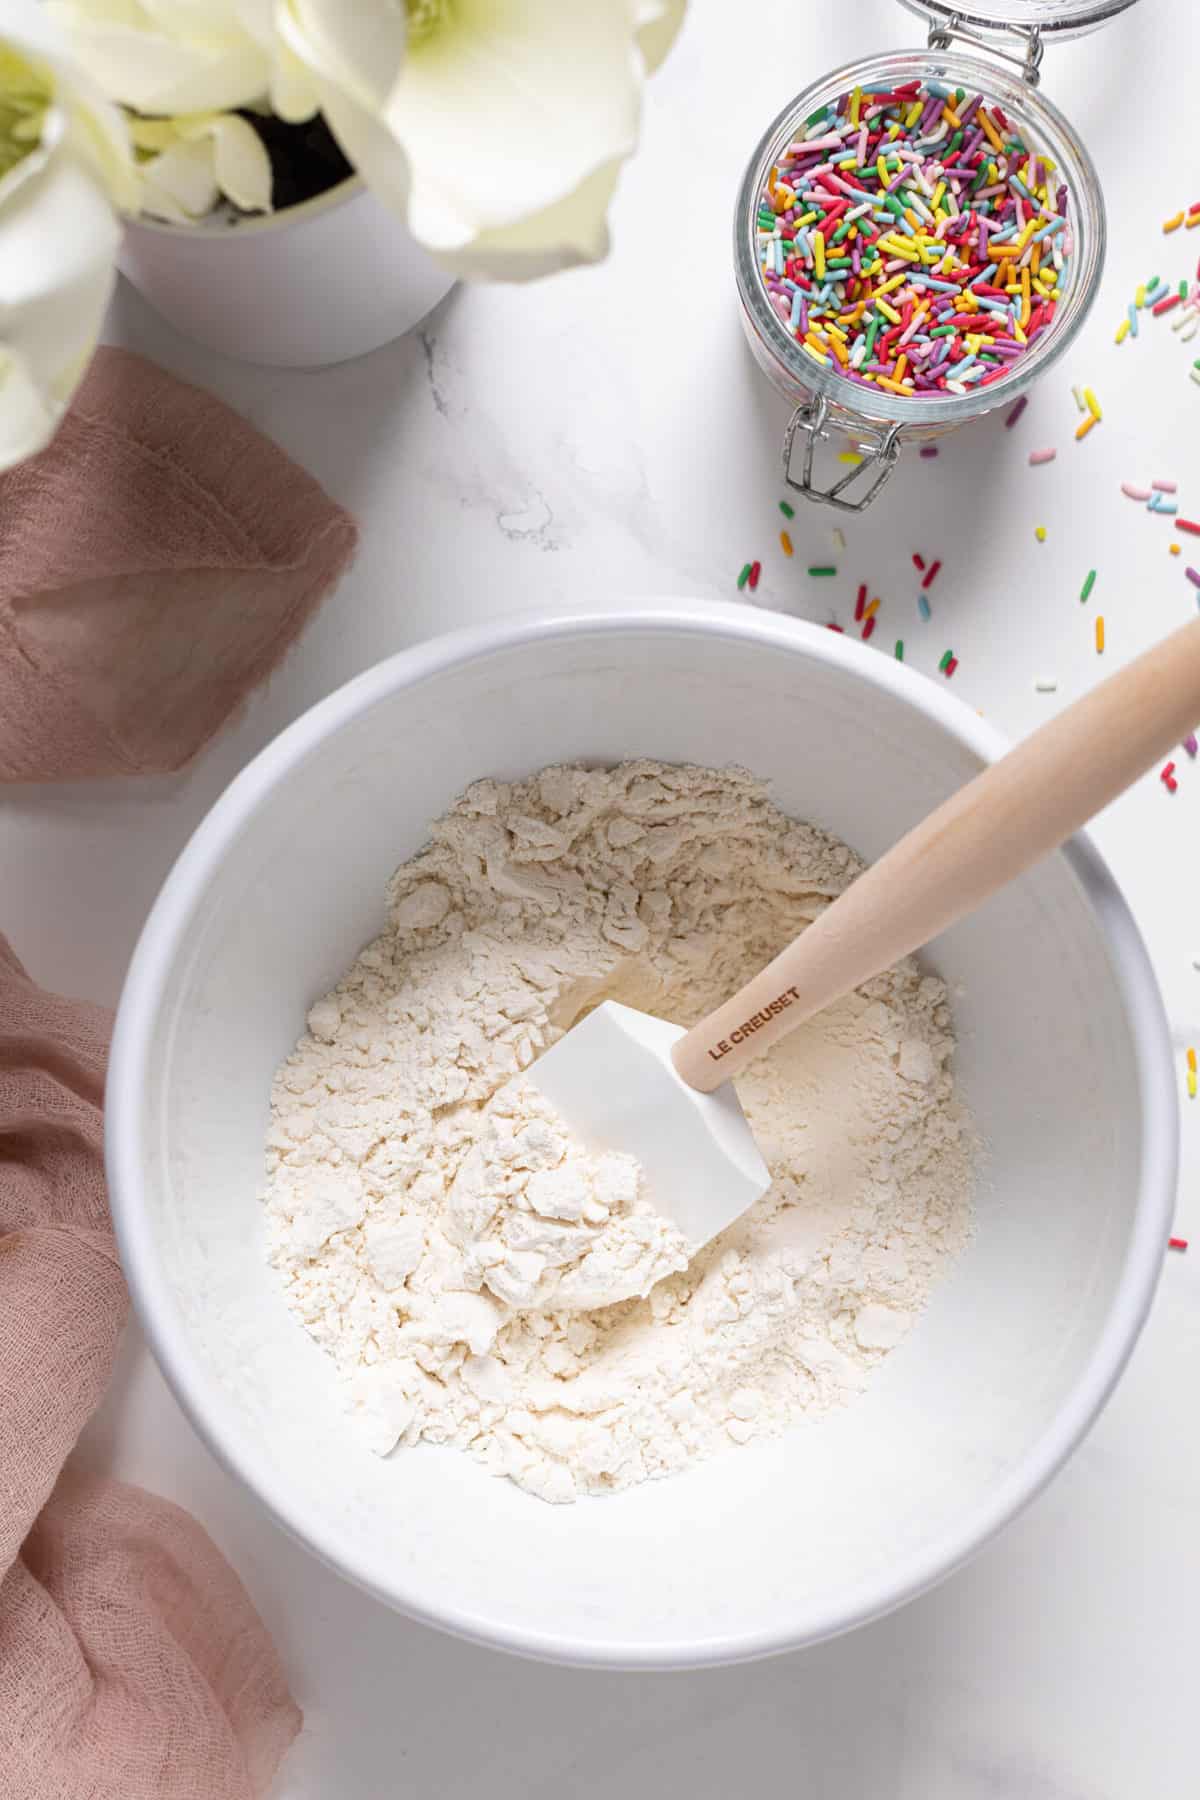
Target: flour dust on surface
x: 440, y: 1238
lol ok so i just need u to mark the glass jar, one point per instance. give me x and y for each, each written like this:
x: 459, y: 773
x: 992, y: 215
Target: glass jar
x: 874, y: 423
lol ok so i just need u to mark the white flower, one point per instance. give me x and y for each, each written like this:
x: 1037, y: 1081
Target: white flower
x: 65, y: 165
x: 176, y: 58
x: 191, y: 163
x: 500, y: 128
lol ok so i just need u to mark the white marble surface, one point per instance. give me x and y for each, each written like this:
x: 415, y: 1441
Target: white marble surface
x: 605, y: 436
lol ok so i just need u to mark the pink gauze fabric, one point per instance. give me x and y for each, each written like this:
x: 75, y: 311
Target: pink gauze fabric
x: 133, y: 1665
x: 156, y: 562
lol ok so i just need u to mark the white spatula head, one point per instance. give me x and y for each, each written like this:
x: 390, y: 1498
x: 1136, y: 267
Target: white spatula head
x: 612, y: 1080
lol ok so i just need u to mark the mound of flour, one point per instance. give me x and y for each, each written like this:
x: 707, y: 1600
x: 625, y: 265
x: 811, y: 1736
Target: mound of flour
x: 438, y: 1237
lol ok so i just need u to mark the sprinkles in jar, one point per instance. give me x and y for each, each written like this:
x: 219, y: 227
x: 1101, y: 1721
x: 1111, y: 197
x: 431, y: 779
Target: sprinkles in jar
x: 913, y: 236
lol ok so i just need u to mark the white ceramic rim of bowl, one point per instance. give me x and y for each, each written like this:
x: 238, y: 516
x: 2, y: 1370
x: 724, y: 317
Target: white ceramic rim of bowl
x: 133, y: 1036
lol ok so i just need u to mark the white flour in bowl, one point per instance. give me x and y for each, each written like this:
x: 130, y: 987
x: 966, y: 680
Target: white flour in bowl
x: 450, y: 1309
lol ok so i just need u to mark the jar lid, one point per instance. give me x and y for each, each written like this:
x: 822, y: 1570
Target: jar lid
x: 1053, y: 18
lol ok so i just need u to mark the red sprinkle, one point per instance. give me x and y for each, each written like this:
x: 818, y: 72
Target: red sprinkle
x: 1188, y: 525
x: 861, y: 602
x: 1167, y: 774
x: 755, y: 572
x: 951, y: 666
x: 868, y: 628
x: 1177, y: 1243
x: 933, y: 569
x: 918, y: 560
x: 1018, y: 408
x: 1162, y: 306
x: 840, y: 628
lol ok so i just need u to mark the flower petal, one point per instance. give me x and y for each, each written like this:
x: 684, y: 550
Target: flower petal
x: 240, y: 164
x: 353, y: 62
x: 156, y: 73
x: 58, y: 244
x: 570, y: 232
x: 181, y: 184
x: 507, y: 108
x: 656, y: 24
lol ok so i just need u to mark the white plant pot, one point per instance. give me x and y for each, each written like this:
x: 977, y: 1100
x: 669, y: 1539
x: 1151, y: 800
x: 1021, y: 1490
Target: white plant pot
x: 315, y: 284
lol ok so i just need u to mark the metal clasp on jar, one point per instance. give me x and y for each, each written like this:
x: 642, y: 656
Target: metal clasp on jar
x: 879, y: 446
x: 954, y: 28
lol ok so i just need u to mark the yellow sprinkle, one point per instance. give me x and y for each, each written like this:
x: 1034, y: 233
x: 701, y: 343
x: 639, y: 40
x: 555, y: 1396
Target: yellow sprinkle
x: 1085, y: 425
x: 1174, y: 549
x: 1139, y: 298
x: 1173, y: 224
x: 1191, y: 1060
x: 786, y: 543
x: 993, y: 136
x: 818, y: 246
x: 817, y: 355
x: 1191, y: 1084
x: 915, y: 111
x: 894, y: 387
x: 1122, y: 331
x: 1040, y: 533
x: 870, y: 611
x: 855, y: 103
x: 1100, y: 635
x: 897, y: 247
x: 896, y: 281
x: 1093, y: 405
x: 889, y: 312
x: 849, y: 456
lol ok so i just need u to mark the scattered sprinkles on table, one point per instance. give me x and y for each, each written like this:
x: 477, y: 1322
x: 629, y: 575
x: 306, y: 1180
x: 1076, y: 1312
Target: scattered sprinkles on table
x: 910, y: 238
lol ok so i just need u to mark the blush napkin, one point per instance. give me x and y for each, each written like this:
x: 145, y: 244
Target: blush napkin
x: 133, y: 1665
x: 156, y: 562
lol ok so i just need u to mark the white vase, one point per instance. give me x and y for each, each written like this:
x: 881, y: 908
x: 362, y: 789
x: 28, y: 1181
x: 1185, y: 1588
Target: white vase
x: 311, y: 285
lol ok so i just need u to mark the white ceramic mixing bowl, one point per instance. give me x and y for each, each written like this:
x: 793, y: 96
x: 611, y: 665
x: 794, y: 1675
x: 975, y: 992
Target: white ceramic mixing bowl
x: 1064, y: 1057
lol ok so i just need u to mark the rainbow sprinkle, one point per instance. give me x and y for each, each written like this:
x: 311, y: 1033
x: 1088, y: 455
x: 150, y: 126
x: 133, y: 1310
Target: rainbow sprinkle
x: 912, y: 240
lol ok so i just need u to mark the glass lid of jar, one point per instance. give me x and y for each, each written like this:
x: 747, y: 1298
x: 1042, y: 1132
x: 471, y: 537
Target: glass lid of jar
x: 1052, y: 18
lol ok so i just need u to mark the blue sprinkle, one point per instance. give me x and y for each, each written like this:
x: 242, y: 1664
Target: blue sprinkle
x: 923, y: 606
x: 1132, y: 318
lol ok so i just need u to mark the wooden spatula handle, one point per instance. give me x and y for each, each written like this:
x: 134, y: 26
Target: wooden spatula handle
x: 984, y: 836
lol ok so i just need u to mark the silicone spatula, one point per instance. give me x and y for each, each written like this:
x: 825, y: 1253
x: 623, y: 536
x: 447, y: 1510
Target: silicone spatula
x: 625, y: 1081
